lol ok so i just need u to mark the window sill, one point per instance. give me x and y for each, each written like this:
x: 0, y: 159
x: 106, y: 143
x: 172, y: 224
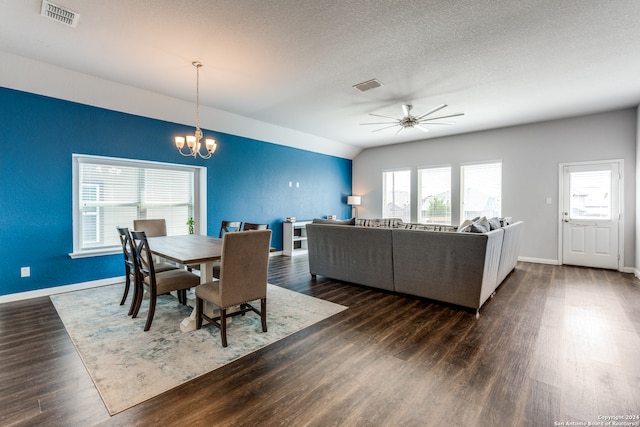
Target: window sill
x: 95, y: 252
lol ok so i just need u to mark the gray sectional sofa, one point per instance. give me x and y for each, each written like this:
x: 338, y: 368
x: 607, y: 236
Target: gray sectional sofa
x: 458, y: 268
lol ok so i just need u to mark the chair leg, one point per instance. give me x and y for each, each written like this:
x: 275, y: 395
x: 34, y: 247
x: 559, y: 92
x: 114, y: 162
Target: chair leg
x: 138, y: 294
x: 127, y: 283
x: 199, y: 308
x: 263, y: 313
x: 152, y: 309
x: 223, y: 326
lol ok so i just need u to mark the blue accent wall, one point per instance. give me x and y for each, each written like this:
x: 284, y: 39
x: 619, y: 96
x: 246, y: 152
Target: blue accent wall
x: 247, y: 180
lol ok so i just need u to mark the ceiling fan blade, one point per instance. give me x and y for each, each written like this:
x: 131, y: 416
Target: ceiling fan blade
x: 385, y: 117
x: 406, y: 109
x: 422, y: 128
x: 439, y: 107
x: 380, y: 123
x: 386, y: 127
x: 442, y: 117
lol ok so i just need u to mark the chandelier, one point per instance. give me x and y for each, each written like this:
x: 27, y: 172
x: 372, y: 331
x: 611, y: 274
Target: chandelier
x: 193, y: 141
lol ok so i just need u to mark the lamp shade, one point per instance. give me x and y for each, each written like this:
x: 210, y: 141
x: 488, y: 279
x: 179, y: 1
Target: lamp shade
x: 353, y: 200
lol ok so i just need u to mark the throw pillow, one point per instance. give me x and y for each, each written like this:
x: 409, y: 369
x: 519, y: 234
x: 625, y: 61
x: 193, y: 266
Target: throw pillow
x: 494, y: 223
x: 481, y: 226
x: 505, y: 221
x: 465, y: 226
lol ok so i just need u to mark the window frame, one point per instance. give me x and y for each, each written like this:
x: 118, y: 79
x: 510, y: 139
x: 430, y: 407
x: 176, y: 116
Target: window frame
x: 199, y: 196
x: 409, y: 204
x: 462, y: 185
x: 419, y: 217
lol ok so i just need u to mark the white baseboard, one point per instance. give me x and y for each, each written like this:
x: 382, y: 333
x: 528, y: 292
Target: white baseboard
x: 539, y: 260
x: 556, y: 262
x: 60, y: 289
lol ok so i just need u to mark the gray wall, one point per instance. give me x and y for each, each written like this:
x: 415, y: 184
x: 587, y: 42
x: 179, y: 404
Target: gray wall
x: 530, y: 156
x: 637, y: 264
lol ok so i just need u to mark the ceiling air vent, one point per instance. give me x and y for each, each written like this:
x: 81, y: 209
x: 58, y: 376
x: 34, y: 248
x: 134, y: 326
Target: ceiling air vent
x: 368, y: 85
x: 59, y: 13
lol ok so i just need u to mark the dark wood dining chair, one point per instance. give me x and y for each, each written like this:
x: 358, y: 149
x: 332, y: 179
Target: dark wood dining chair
x: 157, y: 283
x: 129, y: 266
x: 250, y: 226
x: 229, y: 227
x: 238, y: 284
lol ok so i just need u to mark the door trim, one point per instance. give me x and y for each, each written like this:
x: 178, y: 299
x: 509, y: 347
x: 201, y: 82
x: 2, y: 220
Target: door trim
x: 561, y: 209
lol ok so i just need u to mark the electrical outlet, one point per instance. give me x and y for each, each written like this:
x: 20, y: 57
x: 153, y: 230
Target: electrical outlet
x: 25, y: 271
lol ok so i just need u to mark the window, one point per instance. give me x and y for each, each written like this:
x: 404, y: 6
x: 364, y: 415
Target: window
x: 111, y: 192
x: 434, y: 195
x: 396, y: 195
x: 590, y: 195
x: 481, y: 193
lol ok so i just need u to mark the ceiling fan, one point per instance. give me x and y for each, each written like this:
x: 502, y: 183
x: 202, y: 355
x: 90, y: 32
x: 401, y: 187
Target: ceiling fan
x: 410, y: 121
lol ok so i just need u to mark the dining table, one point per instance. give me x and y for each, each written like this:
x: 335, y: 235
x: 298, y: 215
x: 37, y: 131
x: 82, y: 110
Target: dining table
x: 189, y: 250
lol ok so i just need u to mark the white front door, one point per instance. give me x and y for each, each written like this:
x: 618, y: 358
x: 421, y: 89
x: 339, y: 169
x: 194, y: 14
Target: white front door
x: 591, y: 214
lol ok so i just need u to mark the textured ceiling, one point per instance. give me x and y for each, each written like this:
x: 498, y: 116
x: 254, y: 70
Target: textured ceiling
x: 293, y: 63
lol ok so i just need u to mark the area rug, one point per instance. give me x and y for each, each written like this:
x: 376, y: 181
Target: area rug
x: 129, y: 366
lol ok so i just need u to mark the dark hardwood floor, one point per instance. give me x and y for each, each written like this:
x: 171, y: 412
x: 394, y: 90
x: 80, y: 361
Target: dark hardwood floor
x: 555, y: 344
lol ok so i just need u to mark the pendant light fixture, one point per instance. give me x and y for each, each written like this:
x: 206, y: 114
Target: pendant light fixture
x: 193, y: 141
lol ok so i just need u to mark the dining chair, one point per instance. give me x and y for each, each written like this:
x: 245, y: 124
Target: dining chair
x: 129, y: 266
x: 157, y: 283
x: 250, y: 226
x: 244, y: 267
x: 155, y: 228
x: 229, y: 226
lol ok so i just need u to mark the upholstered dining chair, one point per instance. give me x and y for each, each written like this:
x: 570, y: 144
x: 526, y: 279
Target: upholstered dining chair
x: 151, y: 227
x: 244, y: 267
x: 229, y: 226
x: 129, y: 266
x: 250, y: 226
x: 155, y: 228
x: 157, y: 283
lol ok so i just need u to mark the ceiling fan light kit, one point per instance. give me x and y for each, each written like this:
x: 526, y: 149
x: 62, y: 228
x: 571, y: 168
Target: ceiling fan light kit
x: 411, y: 121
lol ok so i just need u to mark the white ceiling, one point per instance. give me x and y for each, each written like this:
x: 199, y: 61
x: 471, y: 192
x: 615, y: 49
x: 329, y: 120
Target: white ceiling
x: 292, y: 63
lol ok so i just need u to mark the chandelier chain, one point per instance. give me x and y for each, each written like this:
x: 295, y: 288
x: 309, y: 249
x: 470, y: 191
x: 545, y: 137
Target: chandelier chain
x: 198, y: 95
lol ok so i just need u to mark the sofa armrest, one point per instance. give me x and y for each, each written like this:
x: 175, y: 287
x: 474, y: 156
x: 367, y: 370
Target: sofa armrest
x: 353, y: 254
x: 510, y: 249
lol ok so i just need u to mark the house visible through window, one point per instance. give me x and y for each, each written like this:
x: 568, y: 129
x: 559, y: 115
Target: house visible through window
x: 396, y: 194
x: 481, y: 193
x: 434, y: 195
x: 113, y: 192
